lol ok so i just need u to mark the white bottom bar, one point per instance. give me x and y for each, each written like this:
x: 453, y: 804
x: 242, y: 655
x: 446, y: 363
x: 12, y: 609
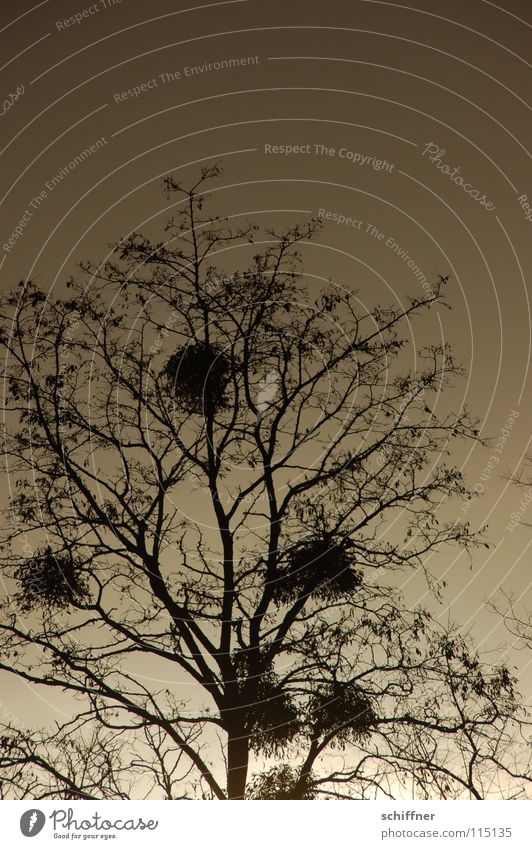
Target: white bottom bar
x: 258, y: 824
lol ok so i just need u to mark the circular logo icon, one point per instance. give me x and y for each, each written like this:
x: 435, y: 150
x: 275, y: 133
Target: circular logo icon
x: 32, y: 822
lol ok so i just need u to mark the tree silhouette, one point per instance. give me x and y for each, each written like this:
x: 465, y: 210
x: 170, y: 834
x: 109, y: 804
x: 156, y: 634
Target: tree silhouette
x: 214, y: 481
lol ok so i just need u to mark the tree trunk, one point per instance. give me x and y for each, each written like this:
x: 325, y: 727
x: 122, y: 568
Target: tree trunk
x: 237, y: 764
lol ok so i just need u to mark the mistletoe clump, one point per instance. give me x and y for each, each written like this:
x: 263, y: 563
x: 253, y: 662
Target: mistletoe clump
x: 319, y: 566
x: 281, y: 782
x: 50, y: 580
x: 272, y: 717
x: 198, y: 375
x: 343, y: 710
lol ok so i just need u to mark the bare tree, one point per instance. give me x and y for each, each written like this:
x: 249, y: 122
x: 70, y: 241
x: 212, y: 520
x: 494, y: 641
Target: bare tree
x: 215, y: 479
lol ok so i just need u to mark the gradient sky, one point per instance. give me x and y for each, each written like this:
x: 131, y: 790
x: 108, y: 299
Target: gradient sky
x: 352, y: 83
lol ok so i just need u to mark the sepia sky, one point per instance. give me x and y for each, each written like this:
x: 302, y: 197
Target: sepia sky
x: 406, y: 126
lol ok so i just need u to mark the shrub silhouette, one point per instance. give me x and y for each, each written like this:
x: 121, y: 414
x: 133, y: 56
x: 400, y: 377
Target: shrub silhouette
x: 281, y: 783
x: 272, y: 717
x: 49, y: 580
x: 198, y: 375
x: 318, y: 566
x: 344, y: 709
